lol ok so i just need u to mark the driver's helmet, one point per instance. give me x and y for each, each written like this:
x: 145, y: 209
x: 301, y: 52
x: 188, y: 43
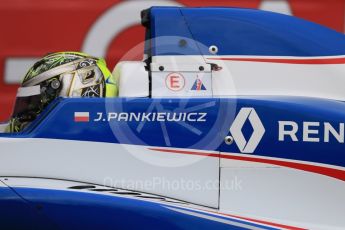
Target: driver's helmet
x: 62, y: 74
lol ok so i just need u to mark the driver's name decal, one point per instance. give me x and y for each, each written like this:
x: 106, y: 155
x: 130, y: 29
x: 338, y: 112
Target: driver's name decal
x: 149, y: 117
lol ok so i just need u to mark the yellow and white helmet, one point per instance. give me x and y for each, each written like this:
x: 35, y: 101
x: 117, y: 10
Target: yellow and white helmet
x: 62, y: 74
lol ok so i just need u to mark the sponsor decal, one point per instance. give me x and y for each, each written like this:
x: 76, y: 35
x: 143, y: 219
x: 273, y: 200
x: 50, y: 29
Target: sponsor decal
x: 175, y: 81
x: 151, y: 117
x: 247, y: 114
x: 81, y: 116
x: 311, y: 131
x: 305, y: 131
x: 198, y: 85
x: 141, y: 117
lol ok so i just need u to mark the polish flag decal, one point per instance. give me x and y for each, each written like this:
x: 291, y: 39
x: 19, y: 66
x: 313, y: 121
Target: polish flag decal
x: 81, y: 117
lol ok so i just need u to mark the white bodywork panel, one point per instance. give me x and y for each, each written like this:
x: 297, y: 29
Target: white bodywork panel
x: 233, y: 78
x: 123, y: 166
x: 238, y: 78
x: 257, y: 78
x: 283, y: 195
x: 133, y: 79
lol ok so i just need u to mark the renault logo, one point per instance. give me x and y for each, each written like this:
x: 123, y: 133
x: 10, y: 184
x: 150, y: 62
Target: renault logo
x: 258, y: 130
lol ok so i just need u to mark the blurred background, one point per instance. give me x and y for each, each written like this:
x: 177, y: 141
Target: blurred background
x: 107, y: 28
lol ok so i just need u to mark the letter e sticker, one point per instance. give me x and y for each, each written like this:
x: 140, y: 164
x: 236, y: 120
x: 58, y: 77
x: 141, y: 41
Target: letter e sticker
x: 175, y: 81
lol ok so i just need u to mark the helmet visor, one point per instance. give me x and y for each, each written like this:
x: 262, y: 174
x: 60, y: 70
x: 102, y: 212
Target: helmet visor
x: 27, y: 104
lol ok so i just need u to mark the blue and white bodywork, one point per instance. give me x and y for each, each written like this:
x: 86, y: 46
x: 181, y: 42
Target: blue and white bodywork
x: 234, y: 120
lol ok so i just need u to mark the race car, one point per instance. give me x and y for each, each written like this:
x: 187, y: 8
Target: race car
x: 233, y: 120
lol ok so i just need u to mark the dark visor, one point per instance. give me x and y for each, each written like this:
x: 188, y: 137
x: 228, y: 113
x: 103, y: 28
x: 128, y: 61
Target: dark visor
x: 28, y: 103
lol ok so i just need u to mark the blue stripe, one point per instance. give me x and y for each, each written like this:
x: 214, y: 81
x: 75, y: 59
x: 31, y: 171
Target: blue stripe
x: 81, y: 210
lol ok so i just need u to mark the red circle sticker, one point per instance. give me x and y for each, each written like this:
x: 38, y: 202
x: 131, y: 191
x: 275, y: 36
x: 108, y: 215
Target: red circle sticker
x: 175, y: 81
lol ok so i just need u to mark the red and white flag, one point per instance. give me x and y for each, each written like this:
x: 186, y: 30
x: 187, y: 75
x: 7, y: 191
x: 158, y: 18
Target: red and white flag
x: 81, y: 117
